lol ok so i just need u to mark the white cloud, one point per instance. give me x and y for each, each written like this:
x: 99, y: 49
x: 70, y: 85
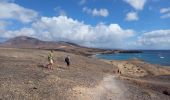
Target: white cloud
x: 60, y: 11
x: 165, y: 10
x: 22, y: 32
x: 158, y: 39
x: 96, y: 12
x: 131, y: 16
x: 63, y: 28
x: 166, y: 15
x: 6, y: 0
x: 3, y: 25
x: 136, y: 4
x: 14, y: 11
x: 82, y: 2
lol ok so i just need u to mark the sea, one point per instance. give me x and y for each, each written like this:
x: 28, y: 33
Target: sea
x: 160, y: 57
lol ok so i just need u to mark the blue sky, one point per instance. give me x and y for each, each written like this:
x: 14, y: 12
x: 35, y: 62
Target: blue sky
x: 125, y: 24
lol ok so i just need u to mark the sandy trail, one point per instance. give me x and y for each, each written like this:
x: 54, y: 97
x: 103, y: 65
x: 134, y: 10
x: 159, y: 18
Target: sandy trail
x: 112, y: 88
x: 108, y: 89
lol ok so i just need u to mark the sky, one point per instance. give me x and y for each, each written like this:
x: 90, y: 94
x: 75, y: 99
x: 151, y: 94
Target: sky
x: 113, y: 24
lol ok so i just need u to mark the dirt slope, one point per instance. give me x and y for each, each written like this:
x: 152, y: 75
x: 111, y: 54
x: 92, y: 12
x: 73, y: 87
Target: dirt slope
x: 23, y: 77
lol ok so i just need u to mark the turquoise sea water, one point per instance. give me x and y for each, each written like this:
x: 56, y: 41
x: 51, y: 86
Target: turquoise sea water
x: 161, y: 57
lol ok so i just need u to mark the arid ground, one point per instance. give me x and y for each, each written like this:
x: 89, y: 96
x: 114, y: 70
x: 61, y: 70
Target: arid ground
x: 23, y: 76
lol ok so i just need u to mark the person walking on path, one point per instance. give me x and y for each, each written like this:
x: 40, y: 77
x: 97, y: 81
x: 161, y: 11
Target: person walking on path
x: 50, y: 60
x: 67, y: 60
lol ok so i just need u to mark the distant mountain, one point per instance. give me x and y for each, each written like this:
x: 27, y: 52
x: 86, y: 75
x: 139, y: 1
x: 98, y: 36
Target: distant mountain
x: 2, y: 39
x: 30, y: 42
x: 24, y: 42
x: 33, y: 43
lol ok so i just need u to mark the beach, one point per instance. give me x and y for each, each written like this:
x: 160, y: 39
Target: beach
x: 24, y: 77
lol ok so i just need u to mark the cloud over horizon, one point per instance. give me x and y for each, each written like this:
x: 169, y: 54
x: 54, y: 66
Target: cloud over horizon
x: 154, y: 39
x: 117, y: 32
x: 63, y: 28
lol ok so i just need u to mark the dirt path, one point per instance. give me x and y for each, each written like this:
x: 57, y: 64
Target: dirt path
x: 114, y: 88
x: 108, y: 89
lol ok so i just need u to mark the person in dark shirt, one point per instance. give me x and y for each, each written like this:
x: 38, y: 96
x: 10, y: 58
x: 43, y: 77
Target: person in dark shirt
x: 67, y: 60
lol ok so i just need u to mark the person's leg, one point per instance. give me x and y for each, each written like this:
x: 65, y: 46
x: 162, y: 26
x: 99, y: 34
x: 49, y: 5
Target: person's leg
x: 48, y: 65
x: 67, y: 62
x: 51, y: 67
x: 52, y: 63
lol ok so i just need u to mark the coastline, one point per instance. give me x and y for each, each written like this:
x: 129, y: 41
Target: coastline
x: 163, y: 61
x: 143, y: 74
x: 23, y: 77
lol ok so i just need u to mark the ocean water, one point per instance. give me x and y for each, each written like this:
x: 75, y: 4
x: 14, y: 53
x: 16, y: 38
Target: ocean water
x: 161, y: 57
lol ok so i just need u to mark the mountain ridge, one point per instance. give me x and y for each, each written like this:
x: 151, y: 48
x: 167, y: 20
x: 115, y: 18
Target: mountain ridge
x: 31, y: 42
x: 26, y: 42
x: 34, y: 43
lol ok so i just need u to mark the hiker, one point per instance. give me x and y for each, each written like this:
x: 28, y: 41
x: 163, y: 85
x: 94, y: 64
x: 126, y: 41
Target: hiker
x: 118, y: 71
x: 67, y: 60
x: 50, y: 59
